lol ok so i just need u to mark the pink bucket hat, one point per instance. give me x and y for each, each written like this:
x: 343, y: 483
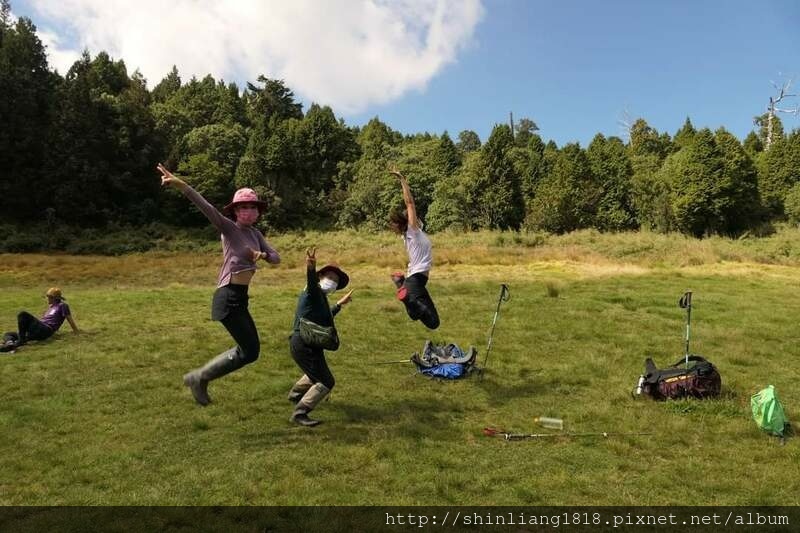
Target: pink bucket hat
x: 245, y: 196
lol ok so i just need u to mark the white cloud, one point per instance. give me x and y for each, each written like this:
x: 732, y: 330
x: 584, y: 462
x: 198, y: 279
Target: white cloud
x: 349, y: 54
x: 59, y: 57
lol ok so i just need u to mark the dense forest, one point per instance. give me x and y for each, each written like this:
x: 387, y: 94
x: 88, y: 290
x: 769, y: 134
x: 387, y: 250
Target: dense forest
x: 80, y: 150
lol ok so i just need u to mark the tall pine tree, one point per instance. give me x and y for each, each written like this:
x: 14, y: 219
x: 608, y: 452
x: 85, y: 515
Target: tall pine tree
x: 26, y: 114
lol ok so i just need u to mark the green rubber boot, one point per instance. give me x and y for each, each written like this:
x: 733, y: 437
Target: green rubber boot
x: 197, y: 380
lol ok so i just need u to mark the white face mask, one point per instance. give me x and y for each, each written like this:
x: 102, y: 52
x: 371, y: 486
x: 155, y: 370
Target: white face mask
x: 327, y: 285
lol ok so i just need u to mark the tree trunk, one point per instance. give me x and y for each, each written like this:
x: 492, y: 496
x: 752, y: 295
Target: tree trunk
x: 769, y: 122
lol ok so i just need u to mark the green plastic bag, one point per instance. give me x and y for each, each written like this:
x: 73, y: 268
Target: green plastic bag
x: 768, y: 411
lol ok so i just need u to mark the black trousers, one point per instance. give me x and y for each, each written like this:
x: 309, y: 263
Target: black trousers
x: 418, y: 302
x: 311, y: 361
x: 229, y: 306
x: 31, y: 328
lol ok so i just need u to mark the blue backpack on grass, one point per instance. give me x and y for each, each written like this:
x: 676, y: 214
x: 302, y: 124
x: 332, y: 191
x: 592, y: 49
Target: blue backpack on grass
x: 447, y: 361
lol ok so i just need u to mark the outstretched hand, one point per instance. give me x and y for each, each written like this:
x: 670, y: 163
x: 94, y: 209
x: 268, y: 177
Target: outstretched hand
x: 346, y: 299
x: 167, y: 178
x: 311, y: 257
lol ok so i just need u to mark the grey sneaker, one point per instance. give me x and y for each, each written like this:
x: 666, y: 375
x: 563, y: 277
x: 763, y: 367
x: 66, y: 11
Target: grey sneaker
x: 8, y: 347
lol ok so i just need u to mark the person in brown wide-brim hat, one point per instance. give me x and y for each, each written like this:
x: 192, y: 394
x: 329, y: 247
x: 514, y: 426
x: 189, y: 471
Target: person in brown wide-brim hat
x: 312, y: 308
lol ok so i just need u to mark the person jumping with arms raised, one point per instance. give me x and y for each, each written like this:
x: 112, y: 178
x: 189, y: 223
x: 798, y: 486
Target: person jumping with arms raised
x: 411, y: 287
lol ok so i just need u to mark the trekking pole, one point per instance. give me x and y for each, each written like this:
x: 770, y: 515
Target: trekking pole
x: 686, y: 303
x: 394, y: 362
x: 505, y: 295
x: 494, y: 432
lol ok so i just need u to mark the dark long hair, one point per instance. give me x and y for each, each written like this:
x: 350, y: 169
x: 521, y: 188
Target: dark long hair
x: 400, y: 218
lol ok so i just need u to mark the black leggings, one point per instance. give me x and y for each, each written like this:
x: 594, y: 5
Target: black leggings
x: 418, y: 302
x: 31, y: 328
x: 311, y: 361
x: 230, y: 307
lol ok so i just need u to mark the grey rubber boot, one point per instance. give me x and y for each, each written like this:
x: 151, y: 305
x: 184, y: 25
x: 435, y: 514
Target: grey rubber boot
x: 197, y: 380
x: 299, y: 389
x: 310, y: 400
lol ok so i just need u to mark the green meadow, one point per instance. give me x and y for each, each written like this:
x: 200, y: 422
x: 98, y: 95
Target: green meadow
x: 102, y: 418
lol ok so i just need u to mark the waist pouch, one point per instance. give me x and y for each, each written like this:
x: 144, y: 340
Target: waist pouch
x: 316, y: 336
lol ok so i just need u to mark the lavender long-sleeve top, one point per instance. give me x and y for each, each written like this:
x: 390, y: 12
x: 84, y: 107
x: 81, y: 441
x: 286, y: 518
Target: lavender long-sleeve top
x: 237, y: 241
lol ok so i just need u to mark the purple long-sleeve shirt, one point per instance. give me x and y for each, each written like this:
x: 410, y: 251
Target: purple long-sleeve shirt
x: 237, y: 241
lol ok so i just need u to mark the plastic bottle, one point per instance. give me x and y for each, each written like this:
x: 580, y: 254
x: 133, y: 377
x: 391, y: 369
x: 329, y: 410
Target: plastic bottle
x: 550, y: 423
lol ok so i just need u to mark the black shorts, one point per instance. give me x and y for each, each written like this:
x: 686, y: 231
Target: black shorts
x: 227, y: 299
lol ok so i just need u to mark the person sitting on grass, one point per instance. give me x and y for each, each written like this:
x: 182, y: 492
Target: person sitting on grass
x: 312, y: 305
x: 30, y: 328
x: 411, y: 288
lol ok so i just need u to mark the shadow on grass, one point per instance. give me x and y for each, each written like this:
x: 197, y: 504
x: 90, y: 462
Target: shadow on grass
x: 347, y: 423
x: 499, y: 393
x: 502, y: 387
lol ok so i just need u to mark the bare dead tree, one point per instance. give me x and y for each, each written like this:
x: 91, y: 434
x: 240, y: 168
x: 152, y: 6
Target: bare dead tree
x: 625, y: 123
x: 772, y: 108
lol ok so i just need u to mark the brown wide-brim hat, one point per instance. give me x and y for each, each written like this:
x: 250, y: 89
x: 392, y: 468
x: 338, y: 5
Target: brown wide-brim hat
x: 245, y: 196
x: 344, y: 279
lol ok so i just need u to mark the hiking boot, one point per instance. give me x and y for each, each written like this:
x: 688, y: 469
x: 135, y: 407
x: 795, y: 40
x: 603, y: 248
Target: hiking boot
x: 398, y: 278
x: 307, y: 403
x: 302, y: 419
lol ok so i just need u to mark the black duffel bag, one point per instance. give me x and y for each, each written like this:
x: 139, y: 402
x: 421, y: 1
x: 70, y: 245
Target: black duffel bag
x: 701, y: 380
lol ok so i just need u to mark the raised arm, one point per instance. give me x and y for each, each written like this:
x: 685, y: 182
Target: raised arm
x: 312, y: 283
x: 411, y: 208
x: 217, y: 219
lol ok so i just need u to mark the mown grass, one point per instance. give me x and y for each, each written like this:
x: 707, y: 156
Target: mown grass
x: 102, y: 418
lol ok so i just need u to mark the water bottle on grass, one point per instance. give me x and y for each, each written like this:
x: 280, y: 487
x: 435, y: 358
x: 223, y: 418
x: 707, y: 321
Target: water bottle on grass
x: 550, y: 423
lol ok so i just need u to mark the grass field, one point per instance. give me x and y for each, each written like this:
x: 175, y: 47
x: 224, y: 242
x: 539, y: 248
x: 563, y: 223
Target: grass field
x: 103, y: 419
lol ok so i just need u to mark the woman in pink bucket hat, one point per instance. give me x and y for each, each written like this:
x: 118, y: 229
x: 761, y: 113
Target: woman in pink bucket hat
x: 242, y: 246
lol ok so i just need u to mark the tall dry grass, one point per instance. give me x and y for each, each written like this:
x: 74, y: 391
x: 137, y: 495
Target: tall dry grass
x: 375, y: 255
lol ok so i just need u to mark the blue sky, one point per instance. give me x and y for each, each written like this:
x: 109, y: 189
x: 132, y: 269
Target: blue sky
x: 574, y: 67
